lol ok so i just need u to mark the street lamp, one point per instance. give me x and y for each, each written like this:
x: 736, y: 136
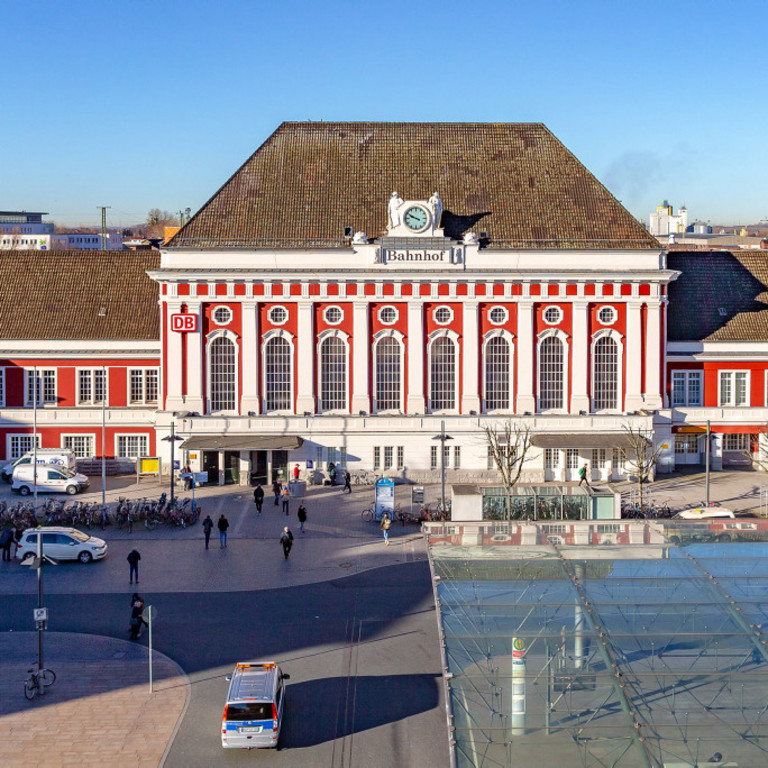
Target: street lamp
x: 442, y: 437
x: 173, y: 438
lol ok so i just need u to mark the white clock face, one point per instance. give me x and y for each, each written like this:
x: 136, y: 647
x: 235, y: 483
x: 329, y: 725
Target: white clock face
x: 416, y: 218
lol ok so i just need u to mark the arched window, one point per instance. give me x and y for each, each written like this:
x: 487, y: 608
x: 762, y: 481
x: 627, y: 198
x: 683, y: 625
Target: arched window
x: 605, y: 374
x: 551, y: 373
x: 388, y: 368
x: 278, y: 375
x: 333, y: 374
x: 222, y: 374
x: 497, y: 382
x: 442, y: 374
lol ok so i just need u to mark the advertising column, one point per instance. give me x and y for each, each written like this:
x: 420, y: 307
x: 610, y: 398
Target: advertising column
x: 385, y: 499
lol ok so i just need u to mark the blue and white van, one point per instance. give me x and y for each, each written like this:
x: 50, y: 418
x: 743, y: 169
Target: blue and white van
x: 253, y: 714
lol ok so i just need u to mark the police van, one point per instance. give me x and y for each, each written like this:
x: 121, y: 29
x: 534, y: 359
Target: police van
x: 255, y: 704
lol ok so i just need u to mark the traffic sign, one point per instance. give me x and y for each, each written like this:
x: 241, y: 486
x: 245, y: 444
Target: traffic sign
x: 41, y: 614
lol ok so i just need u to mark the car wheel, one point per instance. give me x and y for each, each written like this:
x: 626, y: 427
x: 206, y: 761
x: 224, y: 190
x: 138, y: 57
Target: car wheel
x: 723, y: 537
x: 71, y: 490
x: 674, y: 539
x: 26, y: 556
x: 24, y: 490
x: 85, y: 557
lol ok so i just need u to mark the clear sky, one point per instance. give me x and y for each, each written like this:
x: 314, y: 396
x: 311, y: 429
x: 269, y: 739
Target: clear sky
x: 140, y: 104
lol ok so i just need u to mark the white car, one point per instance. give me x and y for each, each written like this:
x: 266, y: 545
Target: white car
x: 704, y: 513
x: 61, y: 544
x: 49, y: 479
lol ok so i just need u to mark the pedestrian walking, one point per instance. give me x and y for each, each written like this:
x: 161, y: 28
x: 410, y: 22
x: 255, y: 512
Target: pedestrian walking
x: 6, y: 540
x: 277, y: 486
x: 583, y: 476
x: 332, y: 472
x: 296, y: 473
x: 347, y: 482
x: 207, y: 528
x: 302, y: 515
x: 286, y: 539
x: 222, y: 525
x: 137, y: 616
x: 258, y: 497
x: 188, y: 479
x: 133, y: 561
x: 385, y: 525
x: 286, y: 496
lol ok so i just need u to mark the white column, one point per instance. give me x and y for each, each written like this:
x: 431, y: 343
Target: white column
x: 173, y: 398
x: 654, y: 342
x: 526, y: 398
x: 470, y: 398
x: 361, y: 400
x: 250, y: 358
x: 580, y: 349
x: 195, y: 369
x: 415, y: 356
x: 633, y: 353
x: 305, y: 358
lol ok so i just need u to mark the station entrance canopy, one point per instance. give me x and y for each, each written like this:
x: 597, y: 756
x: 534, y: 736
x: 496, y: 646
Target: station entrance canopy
x: 586, y: 440
x: 242, y: 442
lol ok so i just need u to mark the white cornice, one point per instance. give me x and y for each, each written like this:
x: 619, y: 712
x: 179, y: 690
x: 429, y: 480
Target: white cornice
x: 678, y: 351
x: 59, y: 347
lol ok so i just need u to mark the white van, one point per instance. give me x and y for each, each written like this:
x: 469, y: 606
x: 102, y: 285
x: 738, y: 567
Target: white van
x: 704, y: 513
x: 50, y: 479
x: 58, y: 457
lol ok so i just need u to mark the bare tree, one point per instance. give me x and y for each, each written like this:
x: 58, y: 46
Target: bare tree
x: 157, y: 220
x: 639, y: 454
x: 759, y: 457
x: 508, y: 446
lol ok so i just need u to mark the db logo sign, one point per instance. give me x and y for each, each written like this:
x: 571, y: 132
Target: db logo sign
x: 184, y: 323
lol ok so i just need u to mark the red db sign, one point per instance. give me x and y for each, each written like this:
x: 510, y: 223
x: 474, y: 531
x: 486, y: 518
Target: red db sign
x: 184, y: 323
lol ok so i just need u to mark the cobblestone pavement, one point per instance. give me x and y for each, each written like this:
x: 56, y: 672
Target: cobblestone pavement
x: 99, y: 711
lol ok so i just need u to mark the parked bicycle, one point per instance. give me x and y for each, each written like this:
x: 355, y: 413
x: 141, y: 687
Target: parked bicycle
x: 37, y: 680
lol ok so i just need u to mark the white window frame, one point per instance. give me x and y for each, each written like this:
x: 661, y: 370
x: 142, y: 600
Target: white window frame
x: 79, y: 435
x: 390, y: 333
x: 401, y: 457
x: 560, y: 314
x: 344, y: 338
x: 614, y: 314
x: 130, y: 435
x: 510, y: 339
x: 213, y: 336
x: 376, y: 457
x: 333, y: 322
x: 143, y: 371
x: 619, y: 341
x: 266, y: 338
x: 453, y: 337
x: 92, y: 375
x: 272, y: 309
x: 434, y: 457
x: 494, y: 308
x: 216, y: 309
x: 10, y: 454
x: 566, y: 381
x: 450, y: 312
x: 687, y: 375
x: 381, y: 314
x: 743, y: 442
x: 41, y: 374
x: 731, y: 401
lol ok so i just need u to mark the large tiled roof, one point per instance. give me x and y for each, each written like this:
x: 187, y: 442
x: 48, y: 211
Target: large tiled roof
x: 515, y: 181
x: 736, y: 282
x: 59, y: 295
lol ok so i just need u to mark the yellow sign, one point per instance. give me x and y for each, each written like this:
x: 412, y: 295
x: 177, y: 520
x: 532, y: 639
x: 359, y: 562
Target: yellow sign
x: 149, y: 464
x: 665, y: 446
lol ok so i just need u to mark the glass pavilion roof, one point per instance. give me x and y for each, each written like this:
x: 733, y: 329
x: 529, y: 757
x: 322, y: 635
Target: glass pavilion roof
x: 604, y: 644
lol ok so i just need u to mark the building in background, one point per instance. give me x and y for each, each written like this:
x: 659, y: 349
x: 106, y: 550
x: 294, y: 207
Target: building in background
x: 663, y: 221
x: 24, y: 223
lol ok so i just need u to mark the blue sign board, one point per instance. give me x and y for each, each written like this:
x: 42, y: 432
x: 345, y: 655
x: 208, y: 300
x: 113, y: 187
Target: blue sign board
x: 385, y: 498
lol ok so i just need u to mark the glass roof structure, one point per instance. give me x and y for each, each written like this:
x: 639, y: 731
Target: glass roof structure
x: 588, y: 643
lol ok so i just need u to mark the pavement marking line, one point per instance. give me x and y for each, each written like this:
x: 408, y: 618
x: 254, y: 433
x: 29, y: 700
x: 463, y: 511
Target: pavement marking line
x: 341, y: 754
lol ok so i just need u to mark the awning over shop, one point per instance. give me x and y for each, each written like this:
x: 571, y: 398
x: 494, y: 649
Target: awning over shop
x: 242, y: 442
x: 721, y: 429
x: 585, y: 440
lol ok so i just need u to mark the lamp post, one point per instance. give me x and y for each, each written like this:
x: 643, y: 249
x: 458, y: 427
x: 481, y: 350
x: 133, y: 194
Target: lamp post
x: 442, y: 437
x: 173, y: 438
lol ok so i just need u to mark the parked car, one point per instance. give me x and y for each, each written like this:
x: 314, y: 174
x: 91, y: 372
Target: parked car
x: 703, y: 513
x: 61, y: 544
x: 58, y: 457
x: 50, y: 479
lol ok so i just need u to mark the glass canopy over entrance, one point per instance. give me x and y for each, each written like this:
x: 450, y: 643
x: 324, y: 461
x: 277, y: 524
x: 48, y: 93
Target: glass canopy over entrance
x: 603, y: 644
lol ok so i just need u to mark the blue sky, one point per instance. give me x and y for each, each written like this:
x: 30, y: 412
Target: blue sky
x: 154, y: 104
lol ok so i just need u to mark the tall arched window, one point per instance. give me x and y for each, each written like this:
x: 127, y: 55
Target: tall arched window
x: 442, y: 374
x: 278, y: 374
x: 605, y: 378
x: 222, y: 374
x: 388, y: 366
x: 551, y: 373
x: 333, y: 374
x: 497, y: 382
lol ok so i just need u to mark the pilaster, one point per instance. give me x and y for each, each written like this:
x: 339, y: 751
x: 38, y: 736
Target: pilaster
x: 654, y: 344
x: 173, y: 397
x: 361, y: 400
x: 250, y: 358
x: 634, y: 397
x: 415, y: 358
x: 195, y: 367
x: 526, y: 398
x: 470, y: 395
x: 580, y: 358
x: 305, y: 358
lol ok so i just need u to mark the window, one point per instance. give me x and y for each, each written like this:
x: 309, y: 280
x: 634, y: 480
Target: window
x: 342, y: 457
x: 686, y: 388
x: 443, y: 315
x: 91, y: 386
x: 132, y: 446
x: 18, y: 445
x: 489, y: 462
x: 497, y: 374
x: 553, y: 315
x: 736, y: 442
x: 387, y: 457
x: 498, y: 315
x: 388, y: 368
x: 433, y: 457
x: 278, y: 315
x: 376, y: 457
x: 388, y: 315
x: 319, y: 457
x: 333, y: 315
x: 83, y: 446
x: 46, y: 387
x: 333, y: 374
x: 144, y: 386
x: 734, y: 388
x: 606, y: 315
x: 456, y: 456
x: 442, y: 369
x: 605, y: 360
x: 400, y: 457
x: 551, y: 458
x: 619, y: 462
x: 686, y: 444
x: 222, y: 372
x: 222, y: 315
x: 551, y: 374
x: 599, y: 456
x: 278, y: 375
x: 2, y: 387
x: 332, y: 456
x: 571, y: 458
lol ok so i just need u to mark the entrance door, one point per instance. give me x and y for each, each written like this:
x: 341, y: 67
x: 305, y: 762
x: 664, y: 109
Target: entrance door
x: 231, y: 467
x: 258, y: 467
x: 687, y: 449
x: 211, y: 466
x: 280, y: 466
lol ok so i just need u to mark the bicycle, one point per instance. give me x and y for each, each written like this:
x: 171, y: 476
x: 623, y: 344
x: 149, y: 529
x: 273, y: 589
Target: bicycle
x: 368, y: 514
x: 34, y: 684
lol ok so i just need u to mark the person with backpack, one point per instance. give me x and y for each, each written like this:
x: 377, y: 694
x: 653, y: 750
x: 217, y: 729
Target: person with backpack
x: 137, y: 616
x: 286, y: 539
x: 583, y: 476
x: 207, y: 528
x: 385, y: 525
